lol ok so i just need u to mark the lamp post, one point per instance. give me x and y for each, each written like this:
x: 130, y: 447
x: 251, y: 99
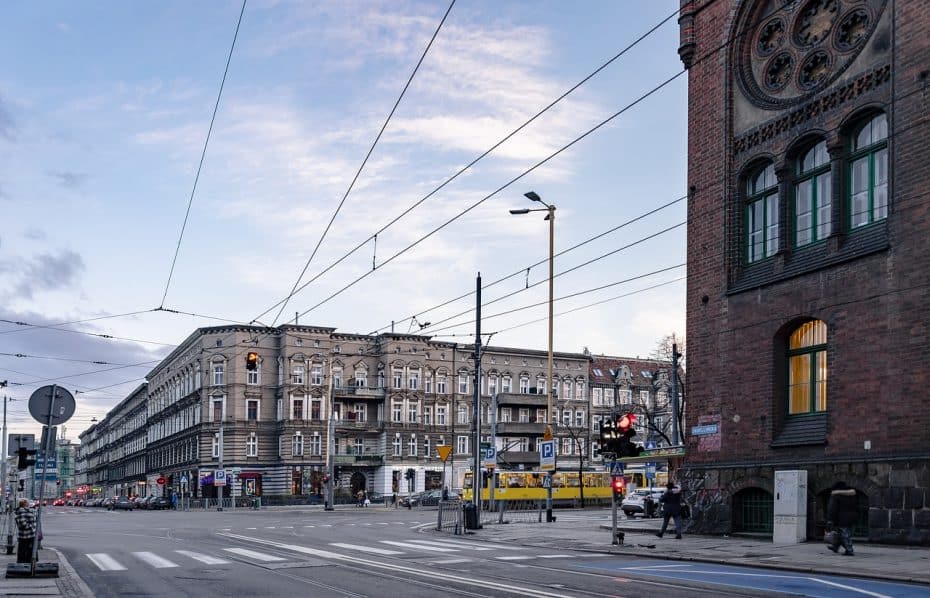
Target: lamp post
x: 547, y: 435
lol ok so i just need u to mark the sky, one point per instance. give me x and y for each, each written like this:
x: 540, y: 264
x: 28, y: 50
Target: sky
x: 105, y: 110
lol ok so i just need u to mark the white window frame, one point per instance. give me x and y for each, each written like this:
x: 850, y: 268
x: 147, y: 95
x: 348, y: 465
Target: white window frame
x: 251, y: 445
x: 219, y: 374
x: 297, y: 444
x: 297, y: 373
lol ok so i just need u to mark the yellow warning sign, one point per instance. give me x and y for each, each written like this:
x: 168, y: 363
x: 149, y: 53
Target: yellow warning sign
x: 444, y: 451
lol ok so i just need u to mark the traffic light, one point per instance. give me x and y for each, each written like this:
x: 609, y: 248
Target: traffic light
x: 251, y: 360
x: 618, y: 484
x: 410, y: 474
x: 607, y: 437
x: 24, y: 458
x: 625, y: 447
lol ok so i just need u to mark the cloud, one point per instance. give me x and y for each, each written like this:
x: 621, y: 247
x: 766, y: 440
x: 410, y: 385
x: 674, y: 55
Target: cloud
x: 68, y: 180
x: 45, y: 272
x: 7, y: 126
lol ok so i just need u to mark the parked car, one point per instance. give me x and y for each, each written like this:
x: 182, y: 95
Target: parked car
x: 121, y: 503
x: 157, y: 503
x: 59, y: 502
x: 635, y: 502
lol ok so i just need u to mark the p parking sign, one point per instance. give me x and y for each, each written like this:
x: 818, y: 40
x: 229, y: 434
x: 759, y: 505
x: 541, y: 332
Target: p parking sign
x: 547, y: 455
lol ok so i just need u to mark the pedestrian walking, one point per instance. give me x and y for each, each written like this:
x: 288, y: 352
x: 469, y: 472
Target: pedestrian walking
x: 671, y: 508
x: 26, y: 531
x: 842, y: 513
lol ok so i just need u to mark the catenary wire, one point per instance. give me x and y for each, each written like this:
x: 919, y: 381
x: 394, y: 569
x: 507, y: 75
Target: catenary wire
x: 362, y: 165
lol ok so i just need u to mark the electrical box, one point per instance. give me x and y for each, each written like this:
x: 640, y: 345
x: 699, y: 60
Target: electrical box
x: 790, y: 504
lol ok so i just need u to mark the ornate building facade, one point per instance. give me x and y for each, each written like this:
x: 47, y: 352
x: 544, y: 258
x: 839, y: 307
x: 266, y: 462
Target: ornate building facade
x: 807, y: 261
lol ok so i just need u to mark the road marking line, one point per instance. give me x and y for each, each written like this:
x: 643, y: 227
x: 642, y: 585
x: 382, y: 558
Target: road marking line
x: 105, y: 562
x: 451, y: 561
x: 648, y: 567
x: 154, y: 560
x: 250, y: 528
x: 283, y: 527
x: 520, y: 557
x: 419, y: 547
x: 850, y: 588
x: 309, y: 526
x: 203, y: 558
x: 485, y: 545
x: 460, y: 546
x: 367, y: 549
x: 557, y: 556
x: 258, y: 556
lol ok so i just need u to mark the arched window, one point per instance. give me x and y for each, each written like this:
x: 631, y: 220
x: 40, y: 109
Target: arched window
x: 812, y: 193
x: 762, y: 214
x: 868, y: 173
x: 807, y: 368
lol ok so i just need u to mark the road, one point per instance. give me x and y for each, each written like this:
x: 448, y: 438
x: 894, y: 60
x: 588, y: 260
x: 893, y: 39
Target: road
x: 370, y: 552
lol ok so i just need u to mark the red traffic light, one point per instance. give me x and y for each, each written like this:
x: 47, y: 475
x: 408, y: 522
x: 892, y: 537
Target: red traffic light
x: 618, y: 483
x: 626, y: 421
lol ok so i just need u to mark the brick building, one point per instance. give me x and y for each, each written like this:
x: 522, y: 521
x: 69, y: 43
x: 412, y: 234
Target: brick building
x: 808, y: 272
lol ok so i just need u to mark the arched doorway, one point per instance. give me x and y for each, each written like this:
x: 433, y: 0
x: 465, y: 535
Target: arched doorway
x: 753, y: 510
x: 358, y: 482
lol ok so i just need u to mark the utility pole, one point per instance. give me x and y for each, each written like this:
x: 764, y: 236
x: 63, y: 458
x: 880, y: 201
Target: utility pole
x: 675, y: 435
x: 219, y: 500
x: 7, y: 507
x: 330, y: 437
x: 476, y: 422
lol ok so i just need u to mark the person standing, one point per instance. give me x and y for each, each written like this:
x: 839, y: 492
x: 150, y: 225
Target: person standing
x: 671, y: 508
x: 26, y: 531
x: 842, y: 513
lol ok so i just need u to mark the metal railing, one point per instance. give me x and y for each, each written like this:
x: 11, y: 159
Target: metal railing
x: 451, y: 517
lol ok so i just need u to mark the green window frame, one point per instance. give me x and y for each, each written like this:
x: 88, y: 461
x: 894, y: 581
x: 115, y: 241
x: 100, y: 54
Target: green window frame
x: 761, y: 219
x: 813, y: 196
x: 868, y: 173
x: 807, y: 369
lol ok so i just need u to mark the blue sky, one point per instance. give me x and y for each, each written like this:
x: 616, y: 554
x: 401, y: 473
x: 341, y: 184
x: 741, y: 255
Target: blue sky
x: 105, y: 107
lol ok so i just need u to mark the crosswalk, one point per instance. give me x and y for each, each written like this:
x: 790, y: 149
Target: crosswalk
x: 445, y: 551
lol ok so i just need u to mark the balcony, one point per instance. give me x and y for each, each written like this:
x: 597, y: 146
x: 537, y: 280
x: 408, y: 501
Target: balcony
x: 351, y: 425
x: 365, y: 459
x: 532, y: 400
x: 520, y: 428
x: 363, y: 392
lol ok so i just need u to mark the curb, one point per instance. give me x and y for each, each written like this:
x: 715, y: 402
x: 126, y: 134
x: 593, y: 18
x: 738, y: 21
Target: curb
x: 69, y: 582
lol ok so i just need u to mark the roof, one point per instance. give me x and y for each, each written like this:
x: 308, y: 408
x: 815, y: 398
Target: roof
x: 604, y: 370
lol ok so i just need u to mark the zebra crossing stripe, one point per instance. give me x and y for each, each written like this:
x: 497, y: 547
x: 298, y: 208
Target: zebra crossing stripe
x: 436, y: 545
x: 203, y: 558
x: 154, y: 560
x: 419, y: 547
x: 105, y: 562
x: 366, y: 549
x: 258, y: 556
x: 474, y: 545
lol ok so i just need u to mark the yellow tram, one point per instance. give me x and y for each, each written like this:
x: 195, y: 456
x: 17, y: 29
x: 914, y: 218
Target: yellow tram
x: 528, y: 485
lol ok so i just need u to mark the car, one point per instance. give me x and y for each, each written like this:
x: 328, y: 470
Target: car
x: 635, y: 502
x: 158, y: 503
x: 145, y: 502
x: 121, y: 503
x: 59, y: 502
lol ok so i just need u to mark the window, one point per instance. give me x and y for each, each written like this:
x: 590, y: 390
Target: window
x: 441, y: 384
x: 428, y: 384
x: 463, y: 414
x: 397, y: 412
x: 868, y: 173
x: 413, y: 380
x: 297, y: 374
x: 541, y: 386
x: 440, y: 415
x: 625, y: 396
x: 505, y: 415
x: 252, y: 410
x: 492, y: 385
x: 427, y: 415
x: 567, y: 389
x: 463, y: 383
x: 567, y: 418
x: 597, y: 397
x: 316, y: 444
x: 361, y: 412
x: 398, y: 378
x: 540, y: 416
x: 412, y: 446
x: 217, y: 409
x: 427, y: 446
x: 396, y: 445
x: 337, y: 377
x: 812, y: 193
x: 361, y: 378
x: 215, y: 446
x: 644, y: 397
x: 251, y: 445
x: 316, y: 409
x: 297, y: 409
x: 219, y: 371
x: 807, y: 368
x: 524, y: 385
x: 297, y: 444
x: 579, y: 419
x: 316, y: 375
x: 524, y: 415
x: 381, y: 379
x: 461, y: 445
x: 506, y: 384
x: 252, y: 377
x: 762, y: 215
x: 412, y: 411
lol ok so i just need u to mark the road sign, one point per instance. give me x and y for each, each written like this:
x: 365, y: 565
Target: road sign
x: 705, y: 430
x: 650, y: 444
x: 547, y: 481
x: 219, y: 477
x: 40, y: 402
x: 489, y: 457
x: 444, y: 451
x: 547, y: 455
x: 160, y: 481
x: 183, y: 479
x: 616, y: 468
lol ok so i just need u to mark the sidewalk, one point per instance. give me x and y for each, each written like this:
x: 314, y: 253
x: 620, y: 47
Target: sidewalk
x: 66, y: 584
x: 878, y: 561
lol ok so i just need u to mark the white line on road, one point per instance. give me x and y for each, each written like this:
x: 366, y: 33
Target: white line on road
x: 154, y: 560
x: 476, y: 545
x: 648, y: 567
x: 515, y: 558
x: 105, y: 562
x: 850, y: 588
x: 367, y: 549
x: 459, y: 546
x: 451, y: 561
x: 258, y: 556
x: 556, y: 556
x: 419, y: 547
x: 203, y: 558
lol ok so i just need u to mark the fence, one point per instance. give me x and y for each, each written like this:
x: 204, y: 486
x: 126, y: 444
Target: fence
x: 453, y: 517
x: 242, y: 502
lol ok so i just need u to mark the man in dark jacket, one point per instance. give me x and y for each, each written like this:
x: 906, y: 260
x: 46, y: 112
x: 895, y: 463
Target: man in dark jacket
x: 671, y: 501
x: 26, y: 531
x: 842, y: 513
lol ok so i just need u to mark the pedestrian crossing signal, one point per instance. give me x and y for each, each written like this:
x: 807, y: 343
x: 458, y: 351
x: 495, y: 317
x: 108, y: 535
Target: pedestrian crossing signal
x: 618, y: 483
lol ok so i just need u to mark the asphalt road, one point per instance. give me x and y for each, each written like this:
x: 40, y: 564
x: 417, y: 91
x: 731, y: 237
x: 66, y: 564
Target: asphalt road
x: 371, y: 552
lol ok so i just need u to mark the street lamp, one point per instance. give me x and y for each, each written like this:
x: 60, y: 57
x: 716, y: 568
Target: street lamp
x: 550, y: 216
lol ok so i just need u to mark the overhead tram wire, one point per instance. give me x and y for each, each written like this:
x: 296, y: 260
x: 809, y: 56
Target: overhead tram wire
x: 361, y: 166
x: 27, y: 326
x: 539, y: 263
x: 203, y: 155
x: 26, y: 356
x: 468, y: 166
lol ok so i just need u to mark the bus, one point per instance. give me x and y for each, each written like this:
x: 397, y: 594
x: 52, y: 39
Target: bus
x: 528, y: 485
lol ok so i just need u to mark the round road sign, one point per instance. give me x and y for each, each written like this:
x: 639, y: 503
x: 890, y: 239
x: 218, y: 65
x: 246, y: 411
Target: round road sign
x: 160, y: 481
x: 62, y: 408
